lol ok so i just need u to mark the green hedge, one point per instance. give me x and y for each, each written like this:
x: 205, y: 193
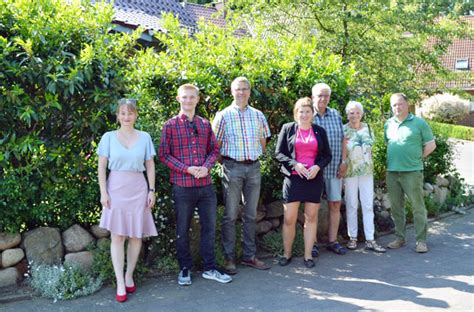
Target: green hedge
x: 453, y: 131
x: 58, y: 84
x: 280, y: 73
x: 60, y: 81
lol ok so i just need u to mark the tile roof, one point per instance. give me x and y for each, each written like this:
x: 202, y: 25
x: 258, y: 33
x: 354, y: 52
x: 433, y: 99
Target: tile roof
x: 459, y: 49
x: 147, y: 13
x: 209, y: 13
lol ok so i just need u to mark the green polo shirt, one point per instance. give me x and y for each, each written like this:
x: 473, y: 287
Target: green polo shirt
x: 405, y: 141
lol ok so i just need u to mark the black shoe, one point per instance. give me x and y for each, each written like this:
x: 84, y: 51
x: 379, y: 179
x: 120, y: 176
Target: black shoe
x: 309, y: 263
x: 284, y: 261
x: 315, y: 251
x: 336, y: 248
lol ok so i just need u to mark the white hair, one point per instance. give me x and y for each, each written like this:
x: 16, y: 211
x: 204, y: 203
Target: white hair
x: 354, y: 104
x: 320, y: 86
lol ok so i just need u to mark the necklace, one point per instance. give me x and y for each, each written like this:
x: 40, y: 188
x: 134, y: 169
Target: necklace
x: 356, y: 127
x: 307, y: 138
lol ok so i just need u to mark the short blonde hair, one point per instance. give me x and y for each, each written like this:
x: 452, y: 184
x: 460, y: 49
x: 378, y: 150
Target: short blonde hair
x: 300, y: 103
x: 131, y: 105
x: 240, y: 79
x: 188, y: 86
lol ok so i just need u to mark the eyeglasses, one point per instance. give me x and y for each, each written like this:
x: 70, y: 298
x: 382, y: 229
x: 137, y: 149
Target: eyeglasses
x: 242, y: 89
x: 194, y: 127
x: 322, y: 95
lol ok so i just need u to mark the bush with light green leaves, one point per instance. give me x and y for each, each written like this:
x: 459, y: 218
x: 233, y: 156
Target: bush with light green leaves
x: 280, y: 73
x: 58, y: 85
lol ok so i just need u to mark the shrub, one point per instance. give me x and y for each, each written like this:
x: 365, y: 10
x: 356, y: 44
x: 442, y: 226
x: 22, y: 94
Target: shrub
x: 433, y: 208
x: 453, y: 131
x: 63, y: 282
x: 58, y: 85
x: 167, y: 264
x: 280, y: 73
x: 459, y: 194
x: 272, y: 178
x: 440, y: 162
x: 103, y: 268
x: 445, y: 108
x: 238, y: 250
x: 163, y: 246
x: 379, y: 151
x: 274, y: 242
x: 102, y: 263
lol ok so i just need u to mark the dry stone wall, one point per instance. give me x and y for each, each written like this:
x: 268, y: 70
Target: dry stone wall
x: 46, y: 245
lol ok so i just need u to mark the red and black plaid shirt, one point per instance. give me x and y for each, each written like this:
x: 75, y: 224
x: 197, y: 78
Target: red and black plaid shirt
x: 185, y: 144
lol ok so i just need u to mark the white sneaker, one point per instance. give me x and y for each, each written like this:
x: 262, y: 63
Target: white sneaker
x: 217, y: 276
x: 184, y: 277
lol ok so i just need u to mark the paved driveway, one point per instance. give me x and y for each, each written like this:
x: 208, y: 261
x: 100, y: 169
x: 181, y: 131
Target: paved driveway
x: 400, y: 280
x: 464, y: 159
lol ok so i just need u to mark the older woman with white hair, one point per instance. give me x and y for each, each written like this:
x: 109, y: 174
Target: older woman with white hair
x: 359, y: 179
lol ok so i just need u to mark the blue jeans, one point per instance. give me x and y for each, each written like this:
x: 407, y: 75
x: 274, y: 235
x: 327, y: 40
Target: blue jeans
x: 240, y: 181
x: 186, y: 199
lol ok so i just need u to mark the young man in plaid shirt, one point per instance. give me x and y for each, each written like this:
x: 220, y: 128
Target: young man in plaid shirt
x: 189, y: 148
x: 241, y: 131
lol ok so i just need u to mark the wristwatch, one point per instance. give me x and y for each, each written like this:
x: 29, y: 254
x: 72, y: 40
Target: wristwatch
x: 151, y: 190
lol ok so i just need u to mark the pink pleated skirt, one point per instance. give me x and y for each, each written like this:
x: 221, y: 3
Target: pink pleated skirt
x: 128, y: 214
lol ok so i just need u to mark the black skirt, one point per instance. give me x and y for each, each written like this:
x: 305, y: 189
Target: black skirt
x: 296, y: 189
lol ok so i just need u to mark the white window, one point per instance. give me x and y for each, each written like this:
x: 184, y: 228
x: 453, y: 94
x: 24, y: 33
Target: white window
x: 462, y: 64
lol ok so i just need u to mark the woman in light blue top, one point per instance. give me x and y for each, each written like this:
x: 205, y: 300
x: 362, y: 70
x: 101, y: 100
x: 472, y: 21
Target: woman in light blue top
x: 126, y: 196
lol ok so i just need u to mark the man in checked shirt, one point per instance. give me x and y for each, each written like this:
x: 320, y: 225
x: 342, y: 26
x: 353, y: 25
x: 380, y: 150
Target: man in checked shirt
x: 189, y: 148
x: 331, y: 121
x: 241, y: 132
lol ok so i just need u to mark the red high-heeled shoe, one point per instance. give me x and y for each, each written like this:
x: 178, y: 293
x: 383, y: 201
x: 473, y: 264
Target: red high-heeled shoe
x: 121, y: 298
x: 130, y: 289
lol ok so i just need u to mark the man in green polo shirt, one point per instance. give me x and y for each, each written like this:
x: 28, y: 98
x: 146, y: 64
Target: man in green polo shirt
x: 409, y: 139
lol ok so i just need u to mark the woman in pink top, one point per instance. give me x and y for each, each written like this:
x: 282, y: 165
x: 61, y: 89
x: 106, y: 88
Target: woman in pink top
x: 303, y: 151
